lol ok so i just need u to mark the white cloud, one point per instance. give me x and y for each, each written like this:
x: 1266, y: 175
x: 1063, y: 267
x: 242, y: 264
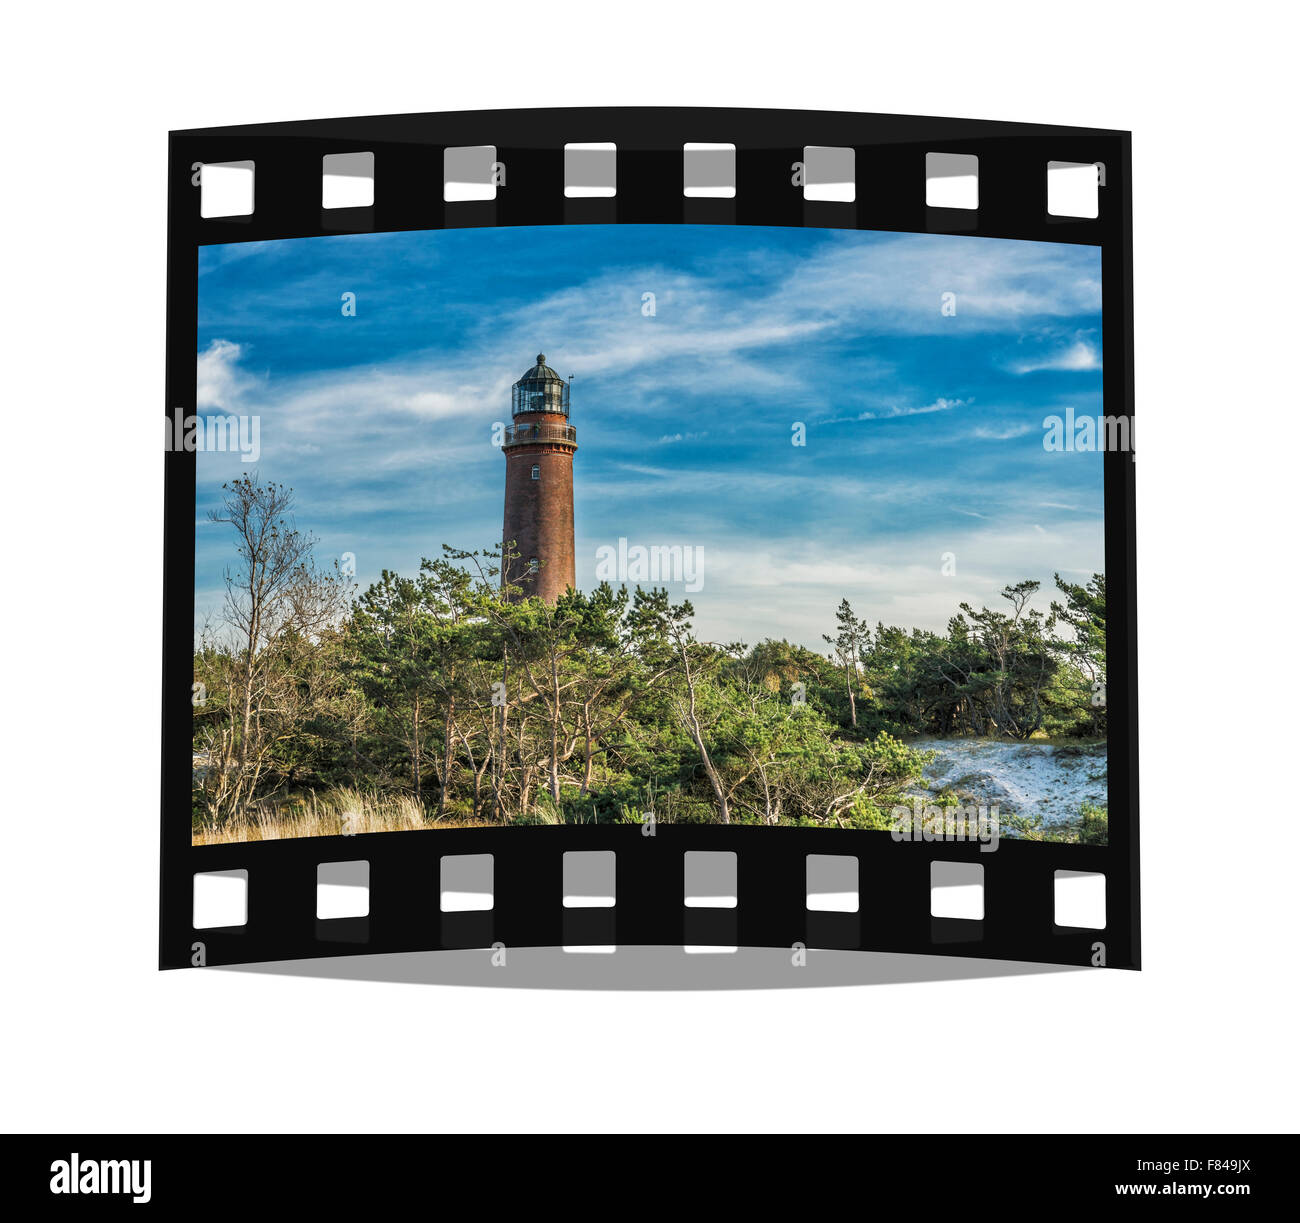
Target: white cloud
x: 218, y: 379
x: 992, y: 433
x: 670, y: 438
x: 898, y: 285
x: 939, y: 405
x: 791, y: 587
x: 1077, y: 357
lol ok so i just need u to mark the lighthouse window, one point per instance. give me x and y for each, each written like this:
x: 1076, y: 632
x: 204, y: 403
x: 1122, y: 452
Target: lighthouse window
x: 537, y: 472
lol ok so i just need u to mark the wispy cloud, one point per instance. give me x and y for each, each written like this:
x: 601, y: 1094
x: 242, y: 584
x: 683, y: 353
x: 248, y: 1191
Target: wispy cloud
x: 939, y: 405
x: 1003, y: 433
x: 671, y: 438
x: 1078, y: 356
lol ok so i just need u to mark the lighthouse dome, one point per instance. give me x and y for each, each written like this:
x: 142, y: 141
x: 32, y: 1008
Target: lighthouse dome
x: 541, y: 372
x: 540, y: 389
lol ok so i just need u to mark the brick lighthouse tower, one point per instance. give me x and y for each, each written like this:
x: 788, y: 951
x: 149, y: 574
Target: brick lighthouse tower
x: 539, y: 447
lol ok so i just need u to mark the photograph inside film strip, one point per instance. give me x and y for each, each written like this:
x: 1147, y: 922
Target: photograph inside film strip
x: 596, y: 553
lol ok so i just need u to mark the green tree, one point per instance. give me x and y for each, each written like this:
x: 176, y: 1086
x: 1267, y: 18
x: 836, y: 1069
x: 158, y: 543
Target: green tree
x: 1083, y: 612
x: 851, y: 638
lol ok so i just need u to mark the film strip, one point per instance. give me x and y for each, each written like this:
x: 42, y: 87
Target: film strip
x: 644, y: 883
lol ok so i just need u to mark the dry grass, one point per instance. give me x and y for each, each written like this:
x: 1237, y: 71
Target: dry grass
x: 332, y: 814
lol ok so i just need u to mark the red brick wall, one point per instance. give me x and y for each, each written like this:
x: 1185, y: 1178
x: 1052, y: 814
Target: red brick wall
x: 539, y: 513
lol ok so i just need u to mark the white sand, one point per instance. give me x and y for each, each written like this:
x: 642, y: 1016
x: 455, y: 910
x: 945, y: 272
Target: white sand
x: 1046, y: 779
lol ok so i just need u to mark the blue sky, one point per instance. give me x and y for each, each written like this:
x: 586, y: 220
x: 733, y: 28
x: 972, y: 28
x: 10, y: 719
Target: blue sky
x: 923, y: 430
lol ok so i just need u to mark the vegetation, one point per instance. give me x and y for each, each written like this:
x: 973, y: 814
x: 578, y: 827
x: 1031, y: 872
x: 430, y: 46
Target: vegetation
x: 445, y: 699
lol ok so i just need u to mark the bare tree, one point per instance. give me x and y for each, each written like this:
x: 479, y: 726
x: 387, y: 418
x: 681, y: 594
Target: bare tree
x: 663, y: 631
x: 276, y: 600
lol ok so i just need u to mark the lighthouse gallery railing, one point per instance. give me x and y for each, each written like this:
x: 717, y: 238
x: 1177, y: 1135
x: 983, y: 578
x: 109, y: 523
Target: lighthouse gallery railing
x: 518, y: 435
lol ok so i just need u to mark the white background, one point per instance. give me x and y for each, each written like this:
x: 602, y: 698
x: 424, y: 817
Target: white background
x: 93, y: 1035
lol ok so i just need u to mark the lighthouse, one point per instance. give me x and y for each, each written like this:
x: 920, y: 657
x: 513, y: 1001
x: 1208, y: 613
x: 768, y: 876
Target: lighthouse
x: 539, y: 446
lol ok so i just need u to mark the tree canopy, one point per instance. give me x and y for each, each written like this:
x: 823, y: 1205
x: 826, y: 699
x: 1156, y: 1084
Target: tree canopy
x: 451, y: 692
